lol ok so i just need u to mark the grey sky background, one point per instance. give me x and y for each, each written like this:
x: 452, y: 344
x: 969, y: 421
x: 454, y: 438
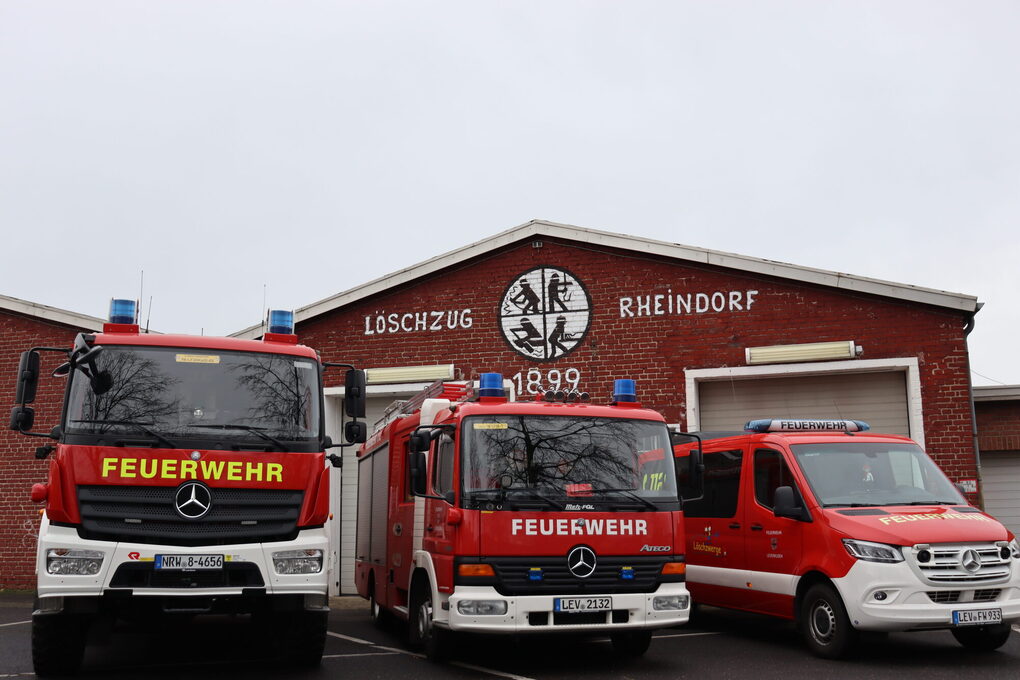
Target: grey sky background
x: 313, y: 146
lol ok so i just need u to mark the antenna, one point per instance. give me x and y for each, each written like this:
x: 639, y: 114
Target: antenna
x: 263, y: 313
x: 141, y: 291
x: 148, y: 316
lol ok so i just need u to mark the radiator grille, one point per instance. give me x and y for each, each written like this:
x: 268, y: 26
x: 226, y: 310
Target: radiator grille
x: 513, y: 575
x: 948, y: 563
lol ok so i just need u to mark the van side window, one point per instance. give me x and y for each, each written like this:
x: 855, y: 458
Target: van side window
x: 770, y: 473
x: 442, y: 471
x: 722, y: 486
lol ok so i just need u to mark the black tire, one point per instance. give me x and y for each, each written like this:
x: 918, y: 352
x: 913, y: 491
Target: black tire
x: 423, y: 633
x: 58, y: 644
x: 302, y: 638
x: 631, y: 643
x: 380, y: 616
x: 826, y: 627
x: 982, y: 638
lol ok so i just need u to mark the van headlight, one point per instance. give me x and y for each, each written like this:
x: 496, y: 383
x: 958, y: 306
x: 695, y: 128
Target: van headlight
x: 1014, y: 549
x: 67, y: 562
x: 297, y: 561
x: 873, y: 552
x: 482, y: 607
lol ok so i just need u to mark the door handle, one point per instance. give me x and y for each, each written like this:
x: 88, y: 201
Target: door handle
x: 430, y: 528
x: 756, y: 527
x: 734, y: 525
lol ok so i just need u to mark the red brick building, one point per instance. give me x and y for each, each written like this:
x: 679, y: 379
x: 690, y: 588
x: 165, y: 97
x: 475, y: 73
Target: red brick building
x: 24, y: 325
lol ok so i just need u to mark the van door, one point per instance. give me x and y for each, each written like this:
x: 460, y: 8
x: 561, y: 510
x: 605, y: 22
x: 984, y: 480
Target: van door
x: 715, y: 542
x: 773, y: 545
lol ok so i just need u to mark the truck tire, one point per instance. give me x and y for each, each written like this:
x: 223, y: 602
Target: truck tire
x: 380, y: 616
x: 826, y: 627
x: 302, y: 638
x: 631, y: 643
x: 423, y: 633
x: 58, y: 644
x: 982, y: 638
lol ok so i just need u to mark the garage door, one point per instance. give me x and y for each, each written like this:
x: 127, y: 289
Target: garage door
x: 879, y: 399
x: 1001, y: 475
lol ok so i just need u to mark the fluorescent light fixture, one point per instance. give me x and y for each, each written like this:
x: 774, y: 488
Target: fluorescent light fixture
x: 809, y: 351
x: 409, y: 374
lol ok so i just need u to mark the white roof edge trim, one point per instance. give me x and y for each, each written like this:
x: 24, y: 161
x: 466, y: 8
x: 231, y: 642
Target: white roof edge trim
x: 783, y: 270
x: 47, y: 313
x: 996, y: 392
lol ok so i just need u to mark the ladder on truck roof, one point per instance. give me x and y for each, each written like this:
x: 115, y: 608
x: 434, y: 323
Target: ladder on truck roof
x: 454, y: 390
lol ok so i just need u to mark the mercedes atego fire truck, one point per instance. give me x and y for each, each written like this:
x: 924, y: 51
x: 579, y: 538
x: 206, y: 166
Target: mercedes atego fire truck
x: 188, y: 476
x: 483, y: 514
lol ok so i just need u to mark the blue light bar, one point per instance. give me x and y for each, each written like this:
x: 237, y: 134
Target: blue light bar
x: 805, y: 425
x: 491, y: 385
x: 624, y: 390
x: 281, y: 321
x: 123, y: 311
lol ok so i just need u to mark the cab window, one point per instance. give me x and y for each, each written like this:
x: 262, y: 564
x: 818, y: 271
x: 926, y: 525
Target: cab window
x: 770, y: 473
x: 442, y: 471
x: 722, y: 486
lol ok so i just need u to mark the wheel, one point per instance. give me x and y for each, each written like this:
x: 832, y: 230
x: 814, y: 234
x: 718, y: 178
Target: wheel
x: 631, y: 643
x: 826, y: 627
x: 982, y: 638
x: 435, y: 642
x: 58, y: 644
x: 376, y: 611
x: 301, y: 638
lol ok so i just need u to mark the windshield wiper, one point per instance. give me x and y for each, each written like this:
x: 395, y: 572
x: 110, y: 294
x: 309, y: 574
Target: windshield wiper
x: 853, y: 505
x: 152, y: 433
x: 247, y: 428
x: 532, y: 494
x: 928, y: 503
x: 630, y: 493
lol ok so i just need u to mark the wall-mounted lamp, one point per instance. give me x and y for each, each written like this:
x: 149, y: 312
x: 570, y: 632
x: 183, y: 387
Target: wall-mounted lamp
x: 409, y: 374
x: 809, y: 351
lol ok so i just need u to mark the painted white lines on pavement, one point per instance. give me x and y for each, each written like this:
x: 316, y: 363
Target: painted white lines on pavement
x: 472, y: 667
x: 349, y: 638
x: 16, y: 623
x: 346, y: 656
x: 662, y: 637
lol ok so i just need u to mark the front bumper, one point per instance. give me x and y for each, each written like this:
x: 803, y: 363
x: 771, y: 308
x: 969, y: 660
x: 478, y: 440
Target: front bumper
x: 254, y: 559
x: 534, y: 613
x: 908, y: 603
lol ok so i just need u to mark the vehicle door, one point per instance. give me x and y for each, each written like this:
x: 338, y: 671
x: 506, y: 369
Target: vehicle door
x: 439, y: 534
x: 401, y: 529
x: 713, y: 530
x: 773, y: 545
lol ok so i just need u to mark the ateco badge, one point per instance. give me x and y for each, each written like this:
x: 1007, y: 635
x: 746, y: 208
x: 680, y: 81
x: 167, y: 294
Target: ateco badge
x: 192, y: 500
x: 545, y: 313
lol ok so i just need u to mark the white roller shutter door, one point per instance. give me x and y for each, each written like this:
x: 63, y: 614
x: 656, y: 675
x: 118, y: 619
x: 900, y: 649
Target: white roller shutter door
x: 1000, y: 473
x: 879, y: 399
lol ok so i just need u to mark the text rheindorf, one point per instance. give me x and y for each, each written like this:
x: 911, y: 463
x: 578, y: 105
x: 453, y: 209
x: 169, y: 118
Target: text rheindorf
x: 579, y: 527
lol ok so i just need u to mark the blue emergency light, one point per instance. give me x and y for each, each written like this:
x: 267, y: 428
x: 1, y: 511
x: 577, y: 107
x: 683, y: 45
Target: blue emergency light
x: 281, y: 321
x: 123, y: 311
x: 624, y: 390
x: 805, y: 425
x: 627, y: 573
x: 535, y: 574
x: 491, y: 385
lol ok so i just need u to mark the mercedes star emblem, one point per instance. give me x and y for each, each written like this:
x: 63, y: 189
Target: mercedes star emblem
x: 970, y: 560
x: 581, y: 561
x: 193, y: 500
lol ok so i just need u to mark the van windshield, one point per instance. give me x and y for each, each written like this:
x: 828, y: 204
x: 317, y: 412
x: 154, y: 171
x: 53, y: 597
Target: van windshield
x: 552, y: 462
x: 197, y: 398
x: 865, y: 474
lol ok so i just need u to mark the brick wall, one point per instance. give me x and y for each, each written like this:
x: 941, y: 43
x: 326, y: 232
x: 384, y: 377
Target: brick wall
x: 998, y: 425
x: 20, y: 469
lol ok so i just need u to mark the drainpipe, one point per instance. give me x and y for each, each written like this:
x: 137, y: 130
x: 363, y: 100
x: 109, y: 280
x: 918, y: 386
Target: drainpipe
x: 973, y: 412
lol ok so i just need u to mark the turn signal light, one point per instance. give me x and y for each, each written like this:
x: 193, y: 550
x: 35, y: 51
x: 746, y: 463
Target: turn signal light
x: 674, y: 568
x: 475, y: 570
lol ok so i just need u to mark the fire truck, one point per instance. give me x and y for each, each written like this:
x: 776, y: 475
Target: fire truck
x: 842, y: 530
x: 188, y: 476
x: 478, y: 513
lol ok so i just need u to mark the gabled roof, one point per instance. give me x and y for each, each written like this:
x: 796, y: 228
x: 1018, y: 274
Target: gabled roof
x: 51, y: 314
x: 541, y: 228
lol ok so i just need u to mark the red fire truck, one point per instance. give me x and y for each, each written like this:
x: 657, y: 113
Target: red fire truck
x: 478, y: 513
x: 188, y: 476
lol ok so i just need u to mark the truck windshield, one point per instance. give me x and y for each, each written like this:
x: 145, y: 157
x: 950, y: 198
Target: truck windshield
x: 861, y: 474
x: 553, y: 462
x: 211, y: 399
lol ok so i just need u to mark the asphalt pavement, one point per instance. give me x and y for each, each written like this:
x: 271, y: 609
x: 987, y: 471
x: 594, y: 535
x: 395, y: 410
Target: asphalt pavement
x: 718, y: 644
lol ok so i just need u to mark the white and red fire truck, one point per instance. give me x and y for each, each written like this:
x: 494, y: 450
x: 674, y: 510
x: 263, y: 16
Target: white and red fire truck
x: 188, y: 476
x: 842, y: 530
x: 483, y: 514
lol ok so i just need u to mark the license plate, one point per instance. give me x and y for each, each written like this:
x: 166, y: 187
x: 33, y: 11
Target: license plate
x: 189, y: 561
x: 976, y: 617
x: 582, y: 604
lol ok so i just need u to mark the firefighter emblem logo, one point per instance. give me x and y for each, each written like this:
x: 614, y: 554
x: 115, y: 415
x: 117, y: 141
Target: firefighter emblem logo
x: 545, y: 313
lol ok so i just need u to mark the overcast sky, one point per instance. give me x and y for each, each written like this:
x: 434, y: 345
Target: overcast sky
x: 309, y: 147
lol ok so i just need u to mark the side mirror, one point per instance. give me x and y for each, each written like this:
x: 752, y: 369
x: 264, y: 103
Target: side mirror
x: 690, y: 473
x: 786, y: 504
x: 28, y: 378
x: 418, y: 472
x: 354, y: 393
x: 356, y: 431
x: 419, y: 441
x: 22, y: 418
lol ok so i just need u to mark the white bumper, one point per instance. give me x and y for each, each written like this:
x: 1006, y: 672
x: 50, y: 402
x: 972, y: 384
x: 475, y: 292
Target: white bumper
x: 519, y: 617
x: 116, y: 554
x: 907, y: 605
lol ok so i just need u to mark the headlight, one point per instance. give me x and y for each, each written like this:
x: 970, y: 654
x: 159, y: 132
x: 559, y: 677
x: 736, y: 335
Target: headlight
x: 67, y: 562
x: 481, y: 607
x: 298, y: 561
x: 662, y: 602
x: 873, y: 552
x: 1014, y: 549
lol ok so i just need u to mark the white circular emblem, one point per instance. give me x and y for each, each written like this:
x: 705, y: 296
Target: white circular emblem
x: 193, y: 500
x: 581, y: 561
x: 545, y: 313
x: 971, y: 561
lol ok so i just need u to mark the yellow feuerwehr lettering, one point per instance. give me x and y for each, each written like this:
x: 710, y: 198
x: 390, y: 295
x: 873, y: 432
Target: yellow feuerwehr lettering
x: 168, y: 468
x: 212, y: 469
x: 234, y: 470
x: 109, y: 465
x: 127, y: 467
x: 253, y: 471
x: 189, y: 469
x: 148, y: 467
x: 274, y: 470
